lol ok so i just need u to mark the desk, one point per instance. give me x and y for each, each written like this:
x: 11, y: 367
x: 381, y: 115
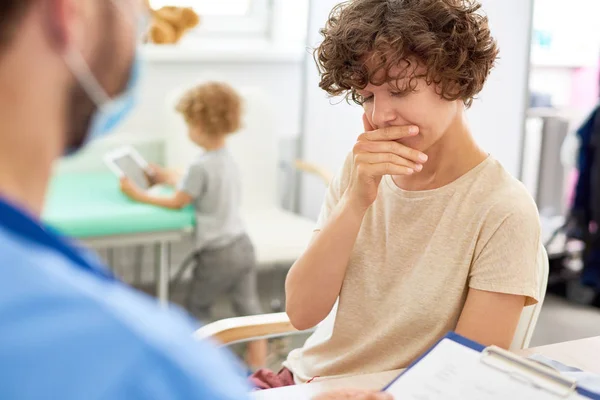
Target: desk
x: 584, y: 354
x: 91, y: 208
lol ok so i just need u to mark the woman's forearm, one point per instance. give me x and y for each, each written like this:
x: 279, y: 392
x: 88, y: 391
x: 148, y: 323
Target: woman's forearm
x: 315, y: 280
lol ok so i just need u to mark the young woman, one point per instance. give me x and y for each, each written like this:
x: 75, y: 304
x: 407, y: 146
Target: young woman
x: 422, y: 232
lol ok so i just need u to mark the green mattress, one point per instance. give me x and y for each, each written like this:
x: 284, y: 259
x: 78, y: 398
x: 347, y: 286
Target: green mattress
x: 89, y: 205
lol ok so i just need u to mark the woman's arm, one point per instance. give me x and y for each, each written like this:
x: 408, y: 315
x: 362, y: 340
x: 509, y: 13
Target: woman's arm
x: 315, y: 280
x: 490, y: 318
x: 176, y: 202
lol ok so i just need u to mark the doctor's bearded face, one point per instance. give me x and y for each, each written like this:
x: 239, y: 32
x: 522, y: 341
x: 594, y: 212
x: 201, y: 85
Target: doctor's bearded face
x: 109, y: 51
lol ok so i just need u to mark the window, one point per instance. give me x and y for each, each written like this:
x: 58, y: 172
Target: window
x: 571, y: 42
x: 209, y: 7
x: 227, y: 17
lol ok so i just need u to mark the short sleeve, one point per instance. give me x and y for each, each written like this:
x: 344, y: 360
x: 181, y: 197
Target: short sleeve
x: 336, y: 189
x: 509, y: 252
x: 193, y: 180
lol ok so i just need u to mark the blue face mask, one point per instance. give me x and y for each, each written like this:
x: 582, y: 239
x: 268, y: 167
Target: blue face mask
x: 111, y: 112
x: 110, y: 115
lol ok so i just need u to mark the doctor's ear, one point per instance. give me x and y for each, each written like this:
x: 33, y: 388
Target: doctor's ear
x: 61, y: 21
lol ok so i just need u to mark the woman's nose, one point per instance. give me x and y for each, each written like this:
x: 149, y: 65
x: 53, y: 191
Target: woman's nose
x: 382, y: 113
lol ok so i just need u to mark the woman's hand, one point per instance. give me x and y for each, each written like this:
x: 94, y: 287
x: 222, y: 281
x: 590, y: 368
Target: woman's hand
x: 354, y: 395
x: 378, y: 153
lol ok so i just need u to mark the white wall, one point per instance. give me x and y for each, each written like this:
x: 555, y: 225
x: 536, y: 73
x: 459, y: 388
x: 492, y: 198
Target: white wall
x: 280, y: 80
x: 496, y: 118
x: 329, y: 130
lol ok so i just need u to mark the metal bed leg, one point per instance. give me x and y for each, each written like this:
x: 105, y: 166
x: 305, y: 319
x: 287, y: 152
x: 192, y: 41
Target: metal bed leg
x: 162, y: 260
x: 137, y: 264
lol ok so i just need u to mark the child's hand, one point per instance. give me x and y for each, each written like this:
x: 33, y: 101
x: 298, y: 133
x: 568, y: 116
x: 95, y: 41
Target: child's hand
x: 130, y: 189
x: 158, y: 175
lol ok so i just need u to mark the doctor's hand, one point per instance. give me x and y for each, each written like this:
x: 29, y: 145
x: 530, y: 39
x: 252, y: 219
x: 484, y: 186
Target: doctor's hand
x: 350, y: 394
x: 130, y: 189
x: 379, y: 152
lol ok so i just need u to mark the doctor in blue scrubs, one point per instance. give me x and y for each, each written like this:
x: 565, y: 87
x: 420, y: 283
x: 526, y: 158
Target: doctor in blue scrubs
x: 68, y: 328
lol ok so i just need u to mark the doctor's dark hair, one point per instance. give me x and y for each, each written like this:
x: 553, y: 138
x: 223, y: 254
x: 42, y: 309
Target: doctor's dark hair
x: 445, y: 42
x: 11, y: 14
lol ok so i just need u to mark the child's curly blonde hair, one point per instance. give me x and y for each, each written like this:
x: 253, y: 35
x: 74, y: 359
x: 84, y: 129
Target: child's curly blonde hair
x: 214, y: 107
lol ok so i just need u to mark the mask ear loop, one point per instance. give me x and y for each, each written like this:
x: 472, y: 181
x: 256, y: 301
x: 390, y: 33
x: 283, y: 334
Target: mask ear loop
x: 85, y: 77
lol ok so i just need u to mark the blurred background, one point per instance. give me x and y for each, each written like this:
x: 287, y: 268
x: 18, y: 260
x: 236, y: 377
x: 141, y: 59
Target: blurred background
x: 544, y: 87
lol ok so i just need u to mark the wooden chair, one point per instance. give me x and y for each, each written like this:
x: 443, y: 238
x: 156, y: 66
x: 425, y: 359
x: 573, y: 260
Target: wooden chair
x: 244, y: 329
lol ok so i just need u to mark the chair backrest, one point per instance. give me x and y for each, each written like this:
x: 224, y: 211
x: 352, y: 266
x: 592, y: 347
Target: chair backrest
x: 530, y: 315
x: 254, y: 147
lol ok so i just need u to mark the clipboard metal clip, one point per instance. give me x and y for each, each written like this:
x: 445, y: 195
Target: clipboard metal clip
x: 528, y: 372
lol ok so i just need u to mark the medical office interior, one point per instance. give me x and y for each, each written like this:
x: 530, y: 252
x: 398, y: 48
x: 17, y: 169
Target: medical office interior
x: 295, y: 138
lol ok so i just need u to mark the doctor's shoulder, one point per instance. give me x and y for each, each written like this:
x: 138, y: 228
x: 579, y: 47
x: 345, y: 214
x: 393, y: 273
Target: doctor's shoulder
x: 69, y: 334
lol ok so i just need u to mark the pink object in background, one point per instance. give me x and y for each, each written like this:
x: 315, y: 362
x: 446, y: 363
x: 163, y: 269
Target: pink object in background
x: 585, y: 91
x: 571, y: 185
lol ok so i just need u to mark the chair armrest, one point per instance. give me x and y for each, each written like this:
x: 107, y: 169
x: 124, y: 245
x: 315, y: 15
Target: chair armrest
x: 314, y: 169
x: 245, y: 329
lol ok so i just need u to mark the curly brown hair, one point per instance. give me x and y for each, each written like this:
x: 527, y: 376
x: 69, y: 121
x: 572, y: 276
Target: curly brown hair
x: 214, y: 107
x: 445, y: 42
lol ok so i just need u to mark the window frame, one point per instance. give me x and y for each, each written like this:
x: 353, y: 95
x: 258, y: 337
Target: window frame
x: 256, y: 23
x: 285, y: 41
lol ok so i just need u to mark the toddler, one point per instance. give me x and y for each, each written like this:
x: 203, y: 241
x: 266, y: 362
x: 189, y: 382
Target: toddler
x: 225, y: 261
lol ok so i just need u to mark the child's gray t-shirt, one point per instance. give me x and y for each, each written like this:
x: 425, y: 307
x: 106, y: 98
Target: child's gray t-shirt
x: 213, y: 181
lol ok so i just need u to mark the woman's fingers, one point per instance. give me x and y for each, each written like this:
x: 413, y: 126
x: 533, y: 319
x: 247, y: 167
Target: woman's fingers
x: 381, y: 158
x: 389, y: 132
x: 378, y: 152
x: 381, y: 169
x: 396, y: 148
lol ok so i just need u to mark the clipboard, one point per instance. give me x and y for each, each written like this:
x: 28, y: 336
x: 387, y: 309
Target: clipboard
x: 521, y: 371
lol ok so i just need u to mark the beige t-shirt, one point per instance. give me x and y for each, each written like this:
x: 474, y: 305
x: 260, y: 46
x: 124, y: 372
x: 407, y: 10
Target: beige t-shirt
x: 416, y: 256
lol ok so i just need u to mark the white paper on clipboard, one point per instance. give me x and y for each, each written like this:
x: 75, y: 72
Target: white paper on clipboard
x: 452, y: 371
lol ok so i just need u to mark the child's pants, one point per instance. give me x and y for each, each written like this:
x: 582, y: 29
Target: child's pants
x: 230, y: 270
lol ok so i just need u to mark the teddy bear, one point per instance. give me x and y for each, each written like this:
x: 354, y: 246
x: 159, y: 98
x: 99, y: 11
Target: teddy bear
x: 170, y: 23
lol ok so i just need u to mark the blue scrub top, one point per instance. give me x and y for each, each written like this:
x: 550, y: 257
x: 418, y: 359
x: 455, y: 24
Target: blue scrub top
x: 69, y: 330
